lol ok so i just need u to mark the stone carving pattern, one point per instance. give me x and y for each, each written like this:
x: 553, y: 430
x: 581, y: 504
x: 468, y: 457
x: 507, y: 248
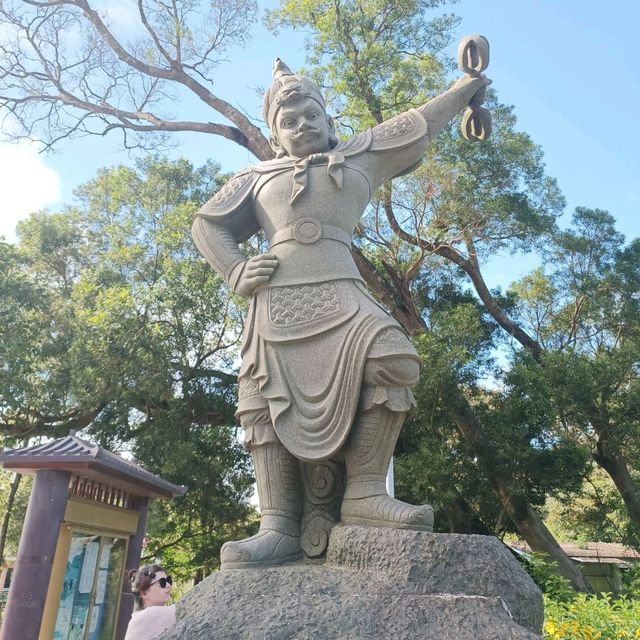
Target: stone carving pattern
x: 247, y: 386
x: 323, y: 491
x: 231, y: 188
x: 394, y: 128
x: 390, y: 335
x: 289, y: 306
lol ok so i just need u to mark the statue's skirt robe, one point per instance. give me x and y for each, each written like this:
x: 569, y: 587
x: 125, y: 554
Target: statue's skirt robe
x: 304, y: 353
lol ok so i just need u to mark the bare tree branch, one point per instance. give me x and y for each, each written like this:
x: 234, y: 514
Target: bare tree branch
x: 64, y: 68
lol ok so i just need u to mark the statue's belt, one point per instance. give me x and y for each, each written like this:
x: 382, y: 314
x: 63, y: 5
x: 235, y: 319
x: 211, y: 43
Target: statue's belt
x: 308, y: 231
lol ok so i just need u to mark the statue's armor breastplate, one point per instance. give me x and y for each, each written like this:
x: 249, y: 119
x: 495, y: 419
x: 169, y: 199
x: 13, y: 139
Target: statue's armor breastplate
x: 308, y: 207
x: 311, y: 236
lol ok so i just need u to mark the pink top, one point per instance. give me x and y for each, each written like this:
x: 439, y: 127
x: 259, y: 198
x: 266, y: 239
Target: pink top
x: 149, y: 623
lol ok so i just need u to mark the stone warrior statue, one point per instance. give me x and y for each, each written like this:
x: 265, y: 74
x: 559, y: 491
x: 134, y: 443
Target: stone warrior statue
x: 326, y: 374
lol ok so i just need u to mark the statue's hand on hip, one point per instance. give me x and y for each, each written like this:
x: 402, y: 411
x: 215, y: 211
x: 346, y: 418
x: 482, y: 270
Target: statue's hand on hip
x: 253, y: 273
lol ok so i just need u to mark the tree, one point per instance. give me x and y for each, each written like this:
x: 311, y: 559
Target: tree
x: 597, y: 513
x: 187, y: 533
x: 584, y: 310
x: 436, y: 460
x: 120, y: 329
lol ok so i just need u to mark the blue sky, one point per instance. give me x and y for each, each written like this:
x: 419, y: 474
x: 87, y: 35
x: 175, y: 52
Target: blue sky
x: 569, y: 67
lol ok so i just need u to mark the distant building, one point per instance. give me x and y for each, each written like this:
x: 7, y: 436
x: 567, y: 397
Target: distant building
x: 600, y: 562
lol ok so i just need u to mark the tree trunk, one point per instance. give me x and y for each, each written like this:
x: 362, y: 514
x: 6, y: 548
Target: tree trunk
x: 608, y: 457
x: 522, y: 514
x: 471, y: 267
x: 540, y: 539
x: 499, y: 316
x: 4, y: 528
x: 405, y: 316
x: 461, y: 518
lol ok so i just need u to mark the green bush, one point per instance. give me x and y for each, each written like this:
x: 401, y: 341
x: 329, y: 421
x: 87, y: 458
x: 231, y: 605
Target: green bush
x: 570, y: 615
x: 631, y: 581
x: 589, y: 617
x: 545, y: 575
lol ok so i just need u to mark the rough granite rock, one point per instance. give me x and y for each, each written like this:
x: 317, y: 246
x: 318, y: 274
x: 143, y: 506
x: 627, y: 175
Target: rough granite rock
x: 376, y: 583
x: 428, y: 563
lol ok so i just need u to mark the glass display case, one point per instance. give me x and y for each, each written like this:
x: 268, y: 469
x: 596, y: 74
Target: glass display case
x: 91, y: 587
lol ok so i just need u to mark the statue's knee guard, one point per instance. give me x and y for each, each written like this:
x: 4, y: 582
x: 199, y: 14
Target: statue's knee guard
x: 258, y: 428
x: 392, y: 371
x: 389, y: 382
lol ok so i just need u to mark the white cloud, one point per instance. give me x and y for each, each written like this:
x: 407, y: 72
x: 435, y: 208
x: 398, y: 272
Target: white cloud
x: 122, y: 17
x: 27, y: 184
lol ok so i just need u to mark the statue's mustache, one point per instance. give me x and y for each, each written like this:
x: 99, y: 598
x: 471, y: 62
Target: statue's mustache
x: 306, y: 133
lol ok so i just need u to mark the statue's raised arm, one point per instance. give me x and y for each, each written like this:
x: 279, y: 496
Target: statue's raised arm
x: 405, y: 137
x: 327, y: 376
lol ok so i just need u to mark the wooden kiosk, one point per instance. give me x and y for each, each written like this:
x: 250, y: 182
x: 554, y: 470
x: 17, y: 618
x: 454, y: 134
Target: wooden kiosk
x: 84, y: 526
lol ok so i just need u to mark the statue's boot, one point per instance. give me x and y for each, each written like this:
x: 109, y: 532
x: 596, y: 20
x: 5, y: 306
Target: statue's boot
x: 367, y: 457
x: 278, y: 539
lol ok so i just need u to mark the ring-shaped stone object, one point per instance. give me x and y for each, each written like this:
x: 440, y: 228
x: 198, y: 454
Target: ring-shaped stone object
x: 473, y: 55
x: 307, y: 230
x: 476, y: 124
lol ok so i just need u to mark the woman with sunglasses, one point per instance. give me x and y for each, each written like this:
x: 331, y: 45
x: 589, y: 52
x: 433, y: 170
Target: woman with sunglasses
x: 151, y: 588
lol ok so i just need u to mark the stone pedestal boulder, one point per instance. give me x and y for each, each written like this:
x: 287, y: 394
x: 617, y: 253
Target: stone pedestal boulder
x: 376, y: 583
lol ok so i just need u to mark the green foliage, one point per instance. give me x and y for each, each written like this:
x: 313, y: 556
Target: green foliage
x: 436, y: 465
x: 586, y: 298
x: 522, y: 421
x: 495, y: 195
x: 631, y: 581
x: 432, y: 463
x: 588, y: 617
x: 187, y: 533
x: 18, y: 512
x: 120, y: 328
x: 374, y: 58
x: 583, y: 308
x: 596, y: 513
x: 545, y: 575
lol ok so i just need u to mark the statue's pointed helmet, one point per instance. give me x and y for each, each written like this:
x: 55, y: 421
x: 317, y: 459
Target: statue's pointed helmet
x: 287, y: 86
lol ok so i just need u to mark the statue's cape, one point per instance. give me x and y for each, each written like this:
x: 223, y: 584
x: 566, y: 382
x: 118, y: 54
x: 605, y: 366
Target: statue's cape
x: 233, y: 204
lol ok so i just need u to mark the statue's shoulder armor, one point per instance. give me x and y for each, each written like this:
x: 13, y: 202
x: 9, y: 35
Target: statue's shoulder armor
x: 399, y: 131
x: 233, y: 205
x: 355, y: 144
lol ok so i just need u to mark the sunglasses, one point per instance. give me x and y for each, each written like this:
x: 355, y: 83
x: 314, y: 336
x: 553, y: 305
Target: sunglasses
x: 163, y: 582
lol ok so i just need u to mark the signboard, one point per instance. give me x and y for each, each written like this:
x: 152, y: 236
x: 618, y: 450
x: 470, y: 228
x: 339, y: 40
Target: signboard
x: 90, y: 591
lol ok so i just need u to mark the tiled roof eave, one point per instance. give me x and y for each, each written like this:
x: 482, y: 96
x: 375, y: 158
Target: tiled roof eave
x: 76, y: 454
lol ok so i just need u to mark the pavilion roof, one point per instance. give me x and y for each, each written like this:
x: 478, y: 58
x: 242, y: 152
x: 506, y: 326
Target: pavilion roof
x: 90, y: 461
x: 591, y: 552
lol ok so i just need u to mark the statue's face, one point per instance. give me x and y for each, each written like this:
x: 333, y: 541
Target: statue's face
x: 302, y: 128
